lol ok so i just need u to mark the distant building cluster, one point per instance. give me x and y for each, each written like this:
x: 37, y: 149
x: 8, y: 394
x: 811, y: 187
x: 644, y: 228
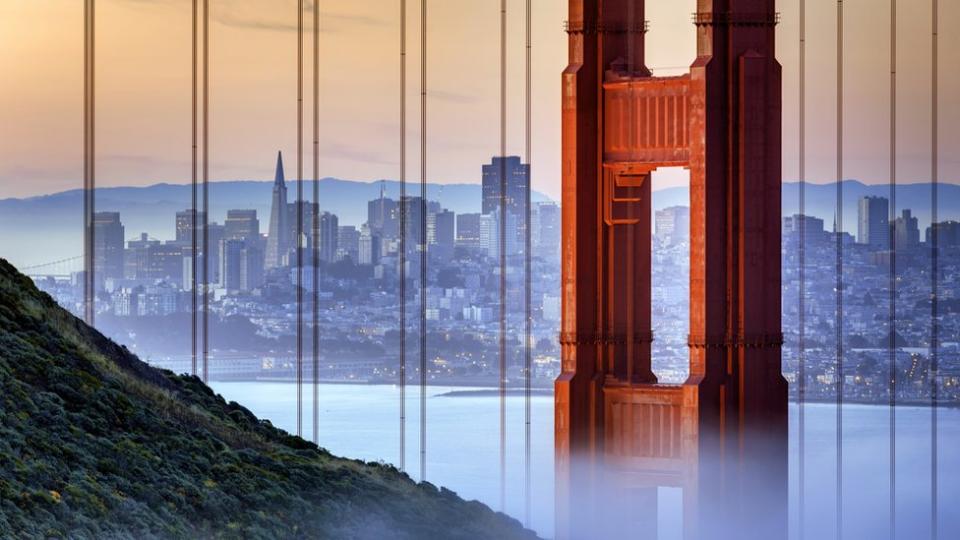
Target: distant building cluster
x: 251, y: 275
x: 880, y: 344
x: 251, y: 270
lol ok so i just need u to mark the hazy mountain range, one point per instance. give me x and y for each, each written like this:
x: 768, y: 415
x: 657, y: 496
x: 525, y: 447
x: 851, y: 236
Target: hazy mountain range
x: 47, y: 228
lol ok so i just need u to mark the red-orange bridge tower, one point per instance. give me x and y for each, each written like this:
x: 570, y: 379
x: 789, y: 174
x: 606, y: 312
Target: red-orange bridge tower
x: 722, y: 432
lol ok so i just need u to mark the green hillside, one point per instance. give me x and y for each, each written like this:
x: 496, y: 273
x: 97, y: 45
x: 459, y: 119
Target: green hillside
x: 96, y: 444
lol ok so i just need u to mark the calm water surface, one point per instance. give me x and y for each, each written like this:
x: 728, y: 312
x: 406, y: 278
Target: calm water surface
x: 463, y: 453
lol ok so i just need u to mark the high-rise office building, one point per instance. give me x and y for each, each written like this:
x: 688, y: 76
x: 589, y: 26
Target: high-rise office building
x: 672, y: 225
x: 546, y: 230
x: 230, y: 263
x: 414, y: 208
x: 383, y: 216
x: 813, y: 230
x: 468, y: 230
x: 517, y: 180
x: 278, y: 240
x: 348, y: 243
x: 329, y: 231
x: 307, y: 208
x: 242, y: 225
x: 251, y: 267
x: 444, y: 231
x: 241, y: 265
x: 165, y: 262
x: 184, y: 226
x: 108, y: 245
x: 215, y: 234
x: 948, y: 234
x: 490, y: 234
x: 873, y: 222
x: 517, y: 175
x: 369, y: 248
x: 906, y: 231
x: 135, y: 256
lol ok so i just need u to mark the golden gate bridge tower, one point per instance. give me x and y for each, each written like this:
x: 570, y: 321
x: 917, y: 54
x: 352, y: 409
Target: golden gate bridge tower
x: 721, y: 436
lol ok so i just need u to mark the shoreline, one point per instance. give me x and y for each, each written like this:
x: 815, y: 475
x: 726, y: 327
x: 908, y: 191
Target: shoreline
x: 480, y: 389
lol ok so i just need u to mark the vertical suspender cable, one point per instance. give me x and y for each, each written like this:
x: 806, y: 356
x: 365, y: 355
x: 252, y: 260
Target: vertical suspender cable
x: 403, y: 234
x: 89, y: 162
x: 528, y: 245
x: 193, y: 196
x: 934, y: 274
x: 299, y: 218
x: 839, y: 268
x: 503, y: 254
x: 423, y: 240
x: 314, y: 224
x: 206, y: 190
x: 892, y: 346
x: 87, y: 252
x: 801, y: 274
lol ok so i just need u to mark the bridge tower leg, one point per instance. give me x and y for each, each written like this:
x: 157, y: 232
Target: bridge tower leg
x: 721, y: 436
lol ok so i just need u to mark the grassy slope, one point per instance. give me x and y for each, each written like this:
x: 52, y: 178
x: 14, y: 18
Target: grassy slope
x: 96, y: 444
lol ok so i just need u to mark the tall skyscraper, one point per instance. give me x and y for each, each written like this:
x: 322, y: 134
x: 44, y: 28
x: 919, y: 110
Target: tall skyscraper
x: 546, y: 230
x: 278, y: 241
x: 251, y: 267
x: 414, y: 209
x: 348, y: 243
x: 468, y: 230
x: 369, y: 248
x: 241, y: 265
x: 230, y: 264
x: 672, y: 225
x: 184, y: 226
x: 907, y: 231
x: 873, y: 223
x: 441, y: 232
x: 948, y: 234
x: 135, y: 257
x: 490, y: 234
x: 307, y: 208
x: 242, y: 225
x: 383, y: 216
x: 108, y: 246
x: 518, y: 175
x: 165, y: 262
x: 517, y: 179
x: 215, y: 233
x: 329, y: 231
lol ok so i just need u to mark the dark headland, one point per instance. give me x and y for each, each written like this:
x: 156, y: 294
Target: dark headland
x: 95, y: 443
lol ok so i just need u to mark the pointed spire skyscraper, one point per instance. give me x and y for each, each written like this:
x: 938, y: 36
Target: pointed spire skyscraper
x: 278, y: 241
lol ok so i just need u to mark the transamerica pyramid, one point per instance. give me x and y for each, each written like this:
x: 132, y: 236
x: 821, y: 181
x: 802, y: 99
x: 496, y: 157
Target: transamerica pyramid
x: 278, y: 241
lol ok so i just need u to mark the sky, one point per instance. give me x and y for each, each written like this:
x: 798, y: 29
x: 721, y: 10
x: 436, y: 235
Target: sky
x: 144, y: 69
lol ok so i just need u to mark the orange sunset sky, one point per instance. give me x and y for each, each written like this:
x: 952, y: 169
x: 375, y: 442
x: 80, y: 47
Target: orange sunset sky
x: 143, y: 94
